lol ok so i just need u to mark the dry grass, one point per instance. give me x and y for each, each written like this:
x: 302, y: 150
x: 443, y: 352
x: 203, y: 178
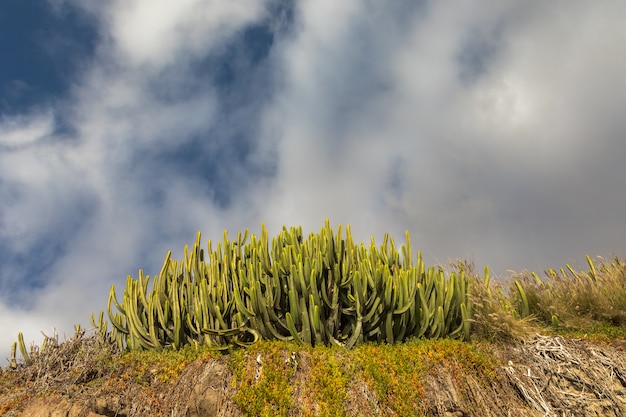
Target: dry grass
x: 589, y: 304
x: 494, y: 314
x: 56, y: 367
x: 577, y: 299
x: 79, y: 359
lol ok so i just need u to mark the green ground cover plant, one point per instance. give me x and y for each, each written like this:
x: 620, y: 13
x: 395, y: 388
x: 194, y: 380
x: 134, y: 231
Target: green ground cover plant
x: 265, y: 374
x: 264, y: 388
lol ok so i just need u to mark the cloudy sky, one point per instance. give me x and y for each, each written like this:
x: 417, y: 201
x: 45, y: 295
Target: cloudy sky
x: 493, y: 131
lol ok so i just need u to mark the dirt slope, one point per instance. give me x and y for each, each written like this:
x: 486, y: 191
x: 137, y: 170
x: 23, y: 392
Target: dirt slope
x: 542, y: 376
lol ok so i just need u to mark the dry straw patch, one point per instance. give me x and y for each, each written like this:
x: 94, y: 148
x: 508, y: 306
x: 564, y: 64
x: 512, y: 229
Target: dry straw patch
x: 79, y: 359
x: 568, y: 377
x: 63, y: 368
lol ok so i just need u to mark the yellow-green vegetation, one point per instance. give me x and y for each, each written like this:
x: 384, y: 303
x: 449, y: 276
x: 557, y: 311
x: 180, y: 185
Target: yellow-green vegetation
x: 265, y: 378
x: 163, y: 365
x: 600, y: 332
x: 397, y: 372
x: 328, y: 381
x: 264, y: 374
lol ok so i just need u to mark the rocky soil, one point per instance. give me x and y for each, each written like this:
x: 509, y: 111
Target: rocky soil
x: 542, y: 376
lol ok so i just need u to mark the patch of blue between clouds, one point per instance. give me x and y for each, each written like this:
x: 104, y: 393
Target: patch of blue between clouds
x: 43, y: 51
x: 220, y: 159
x: 24, y: 272
x: 396, y: 183
x: 28, y: 270
x: 361, y: 73
x: 476, y: 54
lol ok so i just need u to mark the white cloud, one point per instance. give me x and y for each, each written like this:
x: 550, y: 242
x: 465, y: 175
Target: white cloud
x: 159, y: 32
x: 547, y: 91
x: 20, y: 131
x: 14, y: 321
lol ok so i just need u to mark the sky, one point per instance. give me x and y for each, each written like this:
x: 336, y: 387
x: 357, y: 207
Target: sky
x: 493, y: 131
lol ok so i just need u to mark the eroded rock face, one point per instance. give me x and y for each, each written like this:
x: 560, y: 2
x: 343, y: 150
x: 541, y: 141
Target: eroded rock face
x: 49, y: 406
x: 544, y: 376
x: 202, y: 390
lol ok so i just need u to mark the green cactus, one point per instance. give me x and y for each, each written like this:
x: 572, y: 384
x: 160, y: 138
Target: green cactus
x: 13, y: 359
x: 320, y: 289
x: 23, y: 350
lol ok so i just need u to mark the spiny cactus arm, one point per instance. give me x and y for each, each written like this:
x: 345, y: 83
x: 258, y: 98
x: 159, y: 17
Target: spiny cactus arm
x: 176, y: 319
x: 267, y: 324
x: 466, y: 316
x: 438, y: 326
x: 425, y: 314
x: 220, y: 318
x: 407, y: 255
x: 293, y: 303
x: 117, y: 320
x: 306, y: 323
x: 138, y: 332
x: 101, y: 326
x: 226, y: 332
x: 23, y: 350
x: 166, y: 263
x: 357, y: 330
x: 316, y: 288
x: 373, y: 314
x: 93, y: 321
x: 388, y: 293
x: 163, y: 312
x: 405, y: 297
x: 113, y: 299
x: 292, y: 327
x: 316, y: 322
x: 449, y: 292
x: 241, y: 307
x: 141, y: 287
x: 388, y: 329
x: 153, y: 332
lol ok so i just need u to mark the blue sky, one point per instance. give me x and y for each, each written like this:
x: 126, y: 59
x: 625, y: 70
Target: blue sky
x: 492, y: 131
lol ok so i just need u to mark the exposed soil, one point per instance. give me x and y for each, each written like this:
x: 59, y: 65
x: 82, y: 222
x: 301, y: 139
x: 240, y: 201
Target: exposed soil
x: 542, y: 376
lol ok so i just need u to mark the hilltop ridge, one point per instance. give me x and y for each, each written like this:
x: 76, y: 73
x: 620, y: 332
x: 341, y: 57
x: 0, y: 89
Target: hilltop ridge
x: 536, y: 376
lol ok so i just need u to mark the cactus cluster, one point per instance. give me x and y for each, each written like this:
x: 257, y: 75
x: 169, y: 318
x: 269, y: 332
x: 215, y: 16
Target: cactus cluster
x: 322, y: 289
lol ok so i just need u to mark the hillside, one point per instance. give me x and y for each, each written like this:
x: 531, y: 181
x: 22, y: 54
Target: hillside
x: 322, y: 326
x: 536, y: 376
